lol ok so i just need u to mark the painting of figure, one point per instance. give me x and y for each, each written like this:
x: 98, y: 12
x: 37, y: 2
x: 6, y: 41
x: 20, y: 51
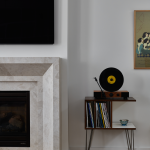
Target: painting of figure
x: 142, y: 39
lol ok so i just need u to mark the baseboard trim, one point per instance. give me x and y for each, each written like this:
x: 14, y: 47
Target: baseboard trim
x: 107, y: 148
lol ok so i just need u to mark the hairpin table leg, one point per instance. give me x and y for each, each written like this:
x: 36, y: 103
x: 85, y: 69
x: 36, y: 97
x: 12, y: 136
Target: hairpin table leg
x: 133, y: 139
x: 128, y: 140
x: 90, y: 139
x: 86, y: 141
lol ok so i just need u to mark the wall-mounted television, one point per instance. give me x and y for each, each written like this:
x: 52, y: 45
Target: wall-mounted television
x: 26, y: 21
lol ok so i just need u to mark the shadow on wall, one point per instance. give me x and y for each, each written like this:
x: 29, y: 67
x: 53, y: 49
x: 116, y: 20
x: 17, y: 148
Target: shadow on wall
x: 57, y: 21
x: 78, y: 42
x: 78, y: 39
x: 79, y: 73
x: 79, y: 51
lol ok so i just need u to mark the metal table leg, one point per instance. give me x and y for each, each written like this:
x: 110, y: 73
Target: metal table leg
x: 127, y: 138
x: 86, y: 141
x: 133, y: 139
x: 130, y: 139
x: 90, y: 139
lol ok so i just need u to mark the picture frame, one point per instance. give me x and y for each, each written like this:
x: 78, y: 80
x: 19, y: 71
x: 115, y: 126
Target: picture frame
x: 141, y: 39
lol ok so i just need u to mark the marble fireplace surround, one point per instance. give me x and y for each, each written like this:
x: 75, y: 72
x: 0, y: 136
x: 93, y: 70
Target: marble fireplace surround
x: 40, y: 76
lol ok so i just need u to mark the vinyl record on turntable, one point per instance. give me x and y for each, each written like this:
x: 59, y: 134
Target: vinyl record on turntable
x: 111, y: 79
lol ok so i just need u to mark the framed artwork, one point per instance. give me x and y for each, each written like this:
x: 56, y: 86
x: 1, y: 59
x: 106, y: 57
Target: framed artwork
x: 142, y: 39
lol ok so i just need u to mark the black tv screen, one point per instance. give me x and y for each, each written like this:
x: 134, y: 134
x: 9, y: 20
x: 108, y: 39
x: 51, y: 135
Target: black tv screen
x: 26, y: 21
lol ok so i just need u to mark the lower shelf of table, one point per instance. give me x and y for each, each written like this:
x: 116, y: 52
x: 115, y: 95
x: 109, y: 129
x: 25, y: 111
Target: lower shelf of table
x: 117, y: 126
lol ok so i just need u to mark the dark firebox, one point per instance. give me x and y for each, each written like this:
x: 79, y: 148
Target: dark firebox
x: 14, y: 119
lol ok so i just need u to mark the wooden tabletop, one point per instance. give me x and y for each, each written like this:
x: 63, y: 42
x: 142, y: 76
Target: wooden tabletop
x: 129, y: 99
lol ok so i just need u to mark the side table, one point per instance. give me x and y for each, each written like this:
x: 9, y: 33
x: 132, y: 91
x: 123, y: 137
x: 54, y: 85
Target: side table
x: 117, y: 126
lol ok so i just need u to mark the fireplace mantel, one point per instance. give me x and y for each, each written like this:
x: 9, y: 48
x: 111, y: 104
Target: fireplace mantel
x: 40, y: 75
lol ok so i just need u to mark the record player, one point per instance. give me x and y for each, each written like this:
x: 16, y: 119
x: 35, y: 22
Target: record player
x: 111, y: 80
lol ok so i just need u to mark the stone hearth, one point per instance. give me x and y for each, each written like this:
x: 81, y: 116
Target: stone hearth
x: 40, y: 76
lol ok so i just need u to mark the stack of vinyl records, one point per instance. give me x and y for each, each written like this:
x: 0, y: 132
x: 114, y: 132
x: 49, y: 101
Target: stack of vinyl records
x: 89, y: 115
x: 102, y: 116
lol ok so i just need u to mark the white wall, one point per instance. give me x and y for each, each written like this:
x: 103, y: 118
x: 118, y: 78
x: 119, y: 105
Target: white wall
x: 101, y: 36
x: 59, y: 49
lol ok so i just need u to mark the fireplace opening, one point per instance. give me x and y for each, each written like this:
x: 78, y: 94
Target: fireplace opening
x: 14, y: 119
